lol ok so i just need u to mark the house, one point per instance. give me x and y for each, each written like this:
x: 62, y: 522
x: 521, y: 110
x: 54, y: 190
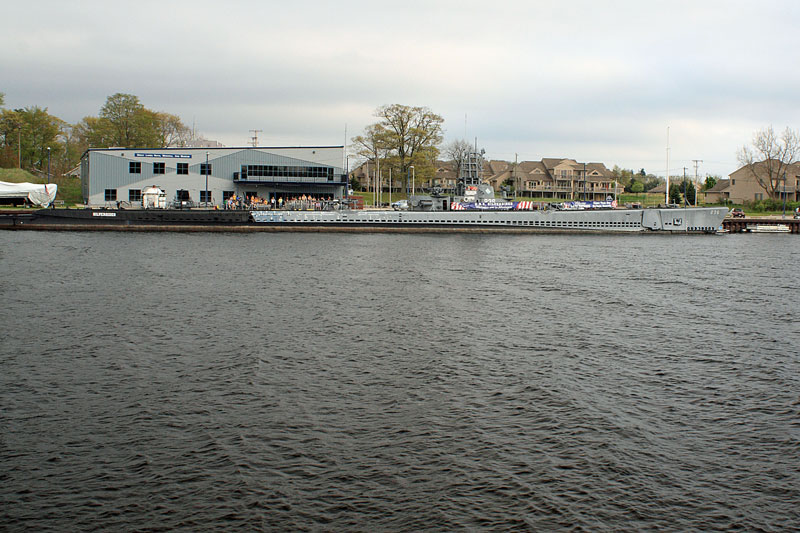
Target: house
x: 741, y: 186
x: 719, y: 193
x: 560, y: 178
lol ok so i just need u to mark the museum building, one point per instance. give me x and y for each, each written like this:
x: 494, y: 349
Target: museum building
x: 209, y: 176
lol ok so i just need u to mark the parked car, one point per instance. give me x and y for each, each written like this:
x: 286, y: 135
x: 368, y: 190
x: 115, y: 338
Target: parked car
x: 737, y: 212
x: 400, y: 205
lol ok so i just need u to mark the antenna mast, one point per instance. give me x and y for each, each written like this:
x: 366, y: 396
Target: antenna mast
x: 254, y: 138
x: 666, y: 193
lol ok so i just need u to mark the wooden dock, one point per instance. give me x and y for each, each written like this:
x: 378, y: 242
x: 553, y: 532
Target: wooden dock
x: 748, y: 224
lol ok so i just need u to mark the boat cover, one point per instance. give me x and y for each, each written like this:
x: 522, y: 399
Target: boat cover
x: 36, y: 193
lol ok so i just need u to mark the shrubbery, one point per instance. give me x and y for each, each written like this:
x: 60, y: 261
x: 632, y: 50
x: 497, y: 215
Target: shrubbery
x: 769, y: 204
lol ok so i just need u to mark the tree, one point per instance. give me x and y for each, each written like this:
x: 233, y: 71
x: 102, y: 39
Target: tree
x: 10, y: 137
x: 2, y: 99
x: 769, y: 156
x: 38, y: 130
x: 710, y: 182
x: 410, y: 136
x: 689, y: 192
x: 675, y: 193
x: 637, y: 187
x: 124, y: 121
x: 171, y: 131
x: 623, y: 176
x: 458, y: 152
x: 94, y: 132
x: 121, y: 111
x: 372, y: 146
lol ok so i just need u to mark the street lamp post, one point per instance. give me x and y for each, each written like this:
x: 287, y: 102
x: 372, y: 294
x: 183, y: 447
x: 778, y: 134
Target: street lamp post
x: 48, y: 164
x: 784, y: 194
x: 413, y: 177
x: 206, y: 191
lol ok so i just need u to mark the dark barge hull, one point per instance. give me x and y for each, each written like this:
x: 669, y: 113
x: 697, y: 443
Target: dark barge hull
x: 141, y: 217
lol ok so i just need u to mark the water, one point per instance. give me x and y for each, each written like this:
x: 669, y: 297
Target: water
x: 206, y: 382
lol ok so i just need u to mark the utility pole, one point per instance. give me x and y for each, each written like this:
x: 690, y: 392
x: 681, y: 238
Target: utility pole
x: 254, y: 138
x: 684, y: 186
x: 516, y: 183
x: 696, y: 183
x: 584, y: 182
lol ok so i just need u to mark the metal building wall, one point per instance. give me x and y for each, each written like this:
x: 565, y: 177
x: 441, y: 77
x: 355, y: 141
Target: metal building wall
x: 109, y: 169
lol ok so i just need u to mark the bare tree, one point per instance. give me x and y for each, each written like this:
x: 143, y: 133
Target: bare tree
x: 171, y: 131
x: 372, y: 146
x: 458, y: 152
x: 769, y: 156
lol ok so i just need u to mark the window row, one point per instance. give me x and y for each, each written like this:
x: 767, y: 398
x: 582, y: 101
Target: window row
x: 135, y: 195
x: 282, y: 171
x: 135, y: 167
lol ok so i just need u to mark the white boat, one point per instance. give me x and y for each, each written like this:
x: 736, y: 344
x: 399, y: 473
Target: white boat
x: 769, y: 228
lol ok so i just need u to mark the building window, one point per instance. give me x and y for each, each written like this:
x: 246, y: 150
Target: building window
x: 205, y: 196
x: 226, y: 195
x: 759, y: 196
x: 111, y: 195
x: 134, y: 195
x: 280, y: 171
x: 183, y: 168
x: 134, y: 167
x: 733, y: 181
x: 159, y: 168
x: 205, y: 169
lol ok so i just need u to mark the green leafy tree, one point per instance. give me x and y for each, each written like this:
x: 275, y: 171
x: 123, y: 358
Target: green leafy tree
x: 123, y: 112
x: 10, y: 137
x: 710, y: 182
x: 94, y: 132
x: 652, y: 182
x: 125, y: 122
x: 410, y: 136
x: 39, y: 131
x: 637, y: 187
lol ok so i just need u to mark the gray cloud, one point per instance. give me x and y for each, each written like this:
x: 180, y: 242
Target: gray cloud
x: 595, y: 81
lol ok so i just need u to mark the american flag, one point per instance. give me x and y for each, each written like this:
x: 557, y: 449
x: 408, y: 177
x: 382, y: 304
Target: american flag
x: 455, y: 206
x: 524, y: 205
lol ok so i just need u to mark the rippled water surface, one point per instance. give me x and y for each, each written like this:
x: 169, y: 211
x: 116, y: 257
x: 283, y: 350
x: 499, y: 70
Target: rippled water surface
x: 206, y: 382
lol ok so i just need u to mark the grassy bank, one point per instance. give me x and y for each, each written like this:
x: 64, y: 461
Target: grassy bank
x: 69, y: 189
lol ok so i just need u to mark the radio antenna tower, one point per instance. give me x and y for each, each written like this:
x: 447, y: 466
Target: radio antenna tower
x: 254, y: 138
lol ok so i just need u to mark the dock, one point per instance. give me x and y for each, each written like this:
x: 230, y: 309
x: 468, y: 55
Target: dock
x: 748, y: 224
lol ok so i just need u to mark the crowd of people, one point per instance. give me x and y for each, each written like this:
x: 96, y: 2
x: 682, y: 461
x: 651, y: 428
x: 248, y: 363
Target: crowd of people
x: 303, y: 202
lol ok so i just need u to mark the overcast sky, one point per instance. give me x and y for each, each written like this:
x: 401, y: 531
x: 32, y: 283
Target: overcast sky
x: 591, y: 80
